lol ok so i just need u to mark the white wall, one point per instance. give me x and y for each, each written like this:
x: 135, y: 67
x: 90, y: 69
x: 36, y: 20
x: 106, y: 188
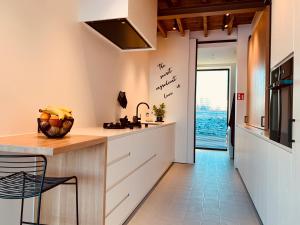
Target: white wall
x: 191, y: 101
x: 232, y: 86
x: 217, y: 53
x: 173, y: 52
x: 48, y: 57
x: 214, y: 35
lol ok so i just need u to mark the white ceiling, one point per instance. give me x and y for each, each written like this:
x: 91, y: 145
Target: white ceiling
x: 222, y: 53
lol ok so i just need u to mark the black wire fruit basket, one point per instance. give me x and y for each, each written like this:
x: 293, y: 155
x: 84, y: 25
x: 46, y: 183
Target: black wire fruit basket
x: 56, y: 128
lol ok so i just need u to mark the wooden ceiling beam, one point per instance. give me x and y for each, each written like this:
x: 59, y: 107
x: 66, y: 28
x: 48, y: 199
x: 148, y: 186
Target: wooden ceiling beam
x: 211, y: 10
x: 180, y: 27
x: 161, y: 30
x: 205, y: 28
x: 230, y: 25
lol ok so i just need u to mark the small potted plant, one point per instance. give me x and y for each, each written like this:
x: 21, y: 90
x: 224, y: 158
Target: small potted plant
x: 159, y: 112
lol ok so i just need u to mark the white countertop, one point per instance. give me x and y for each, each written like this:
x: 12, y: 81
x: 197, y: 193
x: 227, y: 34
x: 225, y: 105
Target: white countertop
x: 263, y: 135
x: 111, y: 134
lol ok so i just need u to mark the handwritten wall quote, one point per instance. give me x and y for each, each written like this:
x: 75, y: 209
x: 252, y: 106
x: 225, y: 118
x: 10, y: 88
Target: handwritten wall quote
x: 167, y: 80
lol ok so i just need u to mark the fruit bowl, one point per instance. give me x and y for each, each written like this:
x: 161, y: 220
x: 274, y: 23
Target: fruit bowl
x: 55, y: 128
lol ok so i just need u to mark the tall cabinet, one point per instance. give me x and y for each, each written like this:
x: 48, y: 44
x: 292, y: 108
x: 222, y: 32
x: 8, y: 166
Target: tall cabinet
x: 258, y: 72
x: 296, y: 109
x: 283, y: 30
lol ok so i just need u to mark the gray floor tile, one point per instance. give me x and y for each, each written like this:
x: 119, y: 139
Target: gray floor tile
x: 207, y: 193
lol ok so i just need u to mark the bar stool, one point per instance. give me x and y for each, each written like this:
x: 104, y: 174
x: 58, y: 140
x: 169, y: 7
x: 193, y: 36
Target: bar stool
x: 23, y: 176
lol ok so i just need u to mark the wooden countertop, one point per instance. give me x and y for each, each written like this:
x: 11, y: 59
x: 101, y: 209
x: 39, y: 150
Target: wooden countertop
x: 39, y: 144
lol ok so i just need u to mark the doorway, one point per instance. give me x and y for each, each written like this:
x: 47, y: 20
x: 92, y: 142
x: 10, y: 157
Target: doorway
x: 211, y: 109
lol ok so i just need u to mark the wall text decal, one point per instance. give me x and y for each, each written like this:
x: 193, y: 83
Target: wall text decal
x: 167, y: 80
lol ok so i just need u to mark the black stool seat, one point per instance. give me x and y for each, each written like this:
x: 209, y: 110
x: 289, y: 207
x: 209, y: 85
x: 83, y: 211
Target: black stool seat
x: 11, y: 187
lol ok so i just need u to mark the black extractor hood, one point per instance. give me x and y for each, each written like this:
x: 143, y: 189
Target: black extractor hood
x: 121, y: 33
x: 130, y: 25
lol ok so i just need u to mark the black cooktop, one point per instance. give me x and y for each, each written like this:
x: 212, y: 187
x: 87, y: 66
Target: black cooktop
x: 114, y: 126
x: 123, y: 124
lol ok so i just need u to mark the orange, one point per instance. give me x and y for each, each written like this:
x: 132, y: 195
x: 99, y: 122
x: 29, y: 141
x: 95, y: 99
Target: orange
x: 45, y: 116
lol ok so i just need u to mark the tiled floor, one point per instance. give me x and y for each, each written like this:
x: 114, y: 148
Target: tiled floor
x: 208, y: 193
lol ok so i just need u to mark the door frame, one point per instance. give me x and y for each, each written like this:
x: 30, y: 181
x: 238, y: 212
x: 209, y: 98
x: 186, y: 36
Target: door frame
x: 195, y: 104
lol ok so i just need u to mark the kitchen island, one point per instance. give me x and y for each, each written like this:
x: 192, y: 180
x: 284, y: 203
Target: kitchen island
x: 75, y: 155
x: 116, y: 169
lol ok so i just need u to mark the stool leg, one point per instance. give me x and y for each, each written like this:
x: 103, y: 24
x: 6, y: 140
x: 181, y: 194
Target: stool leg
x: 77, y: 210
x: 22, y: 207
x: 22, y: 203
x: 39, y: 209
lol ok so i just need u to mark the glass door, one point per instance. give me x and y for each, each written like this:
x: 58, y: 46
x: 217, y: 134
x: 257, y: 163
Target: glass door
x: 211, y: 119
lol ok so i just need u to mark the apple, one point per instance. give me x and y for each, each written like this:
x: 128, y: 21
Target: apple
x: 54, y: 121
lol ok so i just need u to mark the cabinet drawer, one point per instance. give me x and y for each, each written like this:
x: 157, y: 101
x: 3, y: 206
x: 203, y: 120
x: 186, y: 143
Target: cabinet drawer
x: 120, y: 212
x: 117, y: 169
x: 124, y: 156
x: 117, y: 197
x: 125, y: 197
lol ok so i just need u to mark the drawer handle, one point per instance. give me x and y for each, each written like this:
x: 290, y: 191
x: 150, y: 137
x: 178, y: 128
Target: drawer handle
x: 119, y: 159
x: 114, y: 208
x: 133, y: 171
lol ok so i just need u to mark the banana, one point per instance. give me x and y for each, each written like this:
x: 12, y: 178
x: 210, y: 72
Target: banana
x: 54, y: 111
x: 67, y: 114
x: 61, y: 112
x: 61, y: 108
x: 66, y: 109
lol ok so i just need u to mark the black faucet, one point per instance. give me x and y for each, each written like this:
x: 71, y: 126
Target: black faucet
x: 136, y: 118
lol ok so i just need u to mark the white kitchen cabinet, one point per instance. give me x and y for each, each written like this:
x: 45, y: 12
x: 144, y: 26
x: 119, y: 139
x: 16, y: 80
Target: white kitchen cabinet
x: 266, y: 170
x: 282, y: 30
x: 134, y: 164
x: 124, y: 198
x: 296, y: 112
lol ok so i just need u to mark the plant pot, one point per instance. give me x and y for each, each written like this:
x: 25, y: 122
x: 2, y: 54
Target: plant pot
x: 159, y: 119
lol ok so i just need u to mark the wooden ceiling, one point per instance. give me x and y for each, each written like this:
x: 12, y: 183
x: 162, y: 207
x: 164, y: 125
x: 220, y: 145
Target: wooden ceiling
x: 206, y: 15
